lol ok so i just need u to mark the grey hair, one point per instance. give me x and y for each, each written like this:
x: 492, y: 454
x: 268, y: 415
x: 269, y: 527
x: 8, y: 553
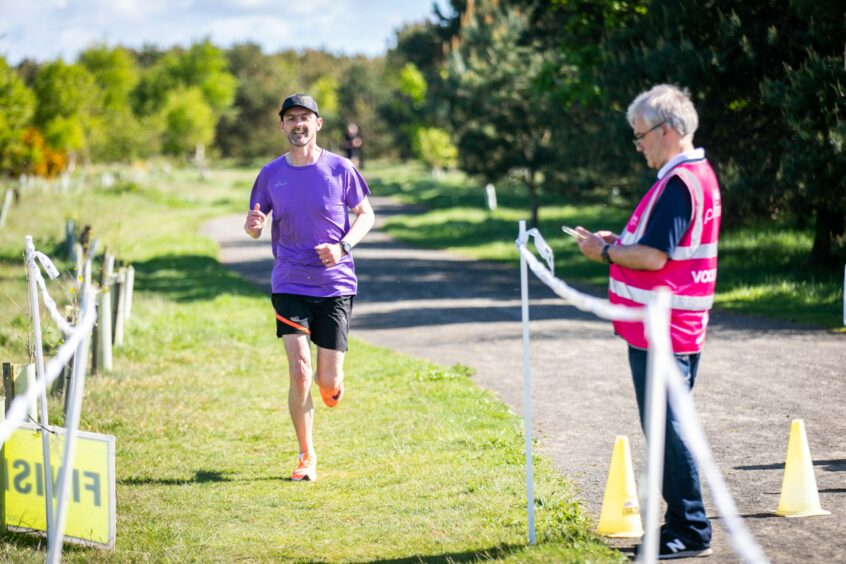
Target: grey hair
x: 668, y: 104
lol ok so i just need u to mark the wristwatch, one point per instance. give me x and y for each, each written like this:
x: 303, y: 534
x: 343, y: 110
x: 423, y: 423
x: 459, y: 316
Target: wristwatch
x: 604, y: 254
x: 346, y: 247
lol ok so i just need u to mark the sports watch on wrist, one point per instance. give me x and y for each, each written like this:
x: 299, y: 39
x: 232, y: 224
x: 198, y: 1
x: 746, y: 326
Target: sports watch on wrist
x: 346, y: 247
x: 604, y: 254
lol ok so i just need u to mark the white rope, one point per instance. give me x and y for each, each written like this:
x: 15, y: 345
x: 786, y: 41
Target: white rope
x: 18, y: 409
x: 65, y: 327
x: 600, y: 308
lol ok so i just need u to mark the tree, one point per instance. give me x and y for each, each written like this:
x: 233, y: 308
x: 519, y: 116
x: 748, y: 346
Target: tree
x: 365, y: 98
x: 434, y: 147
x: 115, y: 72
x: 251, y: 129
x: 187, y: 120
x: 17, y: 105
x: 502, y: 119
x: 812, y: 98
x: 117, y: 134
x: 729, y: 53
x: 203, y: 68
x: 68, y: 98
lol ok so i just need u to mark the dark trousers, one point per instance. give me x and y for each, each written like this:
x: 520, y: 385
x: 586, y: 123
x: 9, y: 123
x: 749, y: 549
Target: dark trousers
x: 685, y: 517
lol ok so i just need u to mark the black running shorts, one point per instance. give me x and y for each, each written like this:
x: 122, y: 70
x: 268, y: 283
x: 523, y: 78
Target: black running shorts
x: 325, y: 320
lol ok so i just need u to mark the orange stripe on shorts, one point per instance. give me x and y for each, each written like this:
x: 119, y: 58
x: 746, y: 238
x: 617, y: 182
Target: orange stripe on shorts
x: 296, y: 326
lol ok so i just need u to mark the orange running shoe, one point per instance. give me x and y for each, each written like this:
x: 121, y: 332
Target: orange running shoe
x: 330, y: 396
x: 306, y: 468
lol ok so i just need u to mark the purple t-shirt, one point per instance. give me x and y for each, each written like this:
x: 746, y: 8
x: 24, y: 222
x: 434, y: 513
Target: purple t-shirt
x: 310, y: 206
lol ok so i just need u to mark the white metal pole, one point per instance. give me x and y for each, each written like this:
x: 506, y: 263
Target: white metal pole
x: 527, y: 388
x: 658, y: 333
x: 55, y: 541
x: 39, y: 373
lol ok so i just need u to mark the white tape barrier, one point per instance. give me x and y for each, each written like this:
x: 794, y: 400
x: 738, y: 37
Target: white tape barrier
x: 49, y: 303
x: 679, y: 398
x: 541, y: 245
x: 681, y: 402
x: 55, y: 537
x: 600, y: 308
x: 18, y: 410
x: 655, y: 422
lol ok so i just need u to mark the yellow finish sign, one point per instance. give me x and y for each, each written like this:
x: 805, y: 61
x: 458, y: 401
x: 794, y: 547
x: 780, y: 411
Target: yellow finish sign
x: 91, y: 491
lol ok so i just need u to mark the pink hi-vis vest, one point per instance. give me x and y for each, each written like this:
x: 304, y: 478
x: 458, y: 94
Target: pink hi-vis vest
x: 691, y: 271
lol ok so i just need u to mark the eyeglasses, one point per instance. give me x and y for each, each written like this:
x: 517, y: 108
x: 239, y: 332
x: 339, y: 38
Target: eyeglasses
x: 638, y: 137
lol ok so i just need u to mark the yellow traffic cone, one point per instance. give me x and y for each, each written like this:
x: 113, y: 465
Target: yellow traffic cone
x: 799, y: 495
x: 620, y: 515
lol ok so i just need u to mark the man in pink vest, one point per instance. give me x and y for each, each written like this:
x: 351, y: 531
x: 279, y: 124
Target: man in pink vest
x: 670, y: 241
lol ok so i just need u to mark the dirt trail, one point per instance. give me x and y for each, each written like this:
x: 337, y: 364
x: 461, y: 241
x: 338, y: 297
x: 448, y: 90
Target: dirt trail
x: 755, y: 377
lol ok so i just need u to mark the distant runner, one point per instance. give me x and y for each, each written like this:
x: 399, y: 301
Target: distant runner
x: 310, y: 190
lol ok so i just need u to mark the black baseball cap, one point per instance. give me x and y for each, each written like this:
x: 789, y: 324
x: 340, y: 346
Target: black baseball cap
x: 301, y: 100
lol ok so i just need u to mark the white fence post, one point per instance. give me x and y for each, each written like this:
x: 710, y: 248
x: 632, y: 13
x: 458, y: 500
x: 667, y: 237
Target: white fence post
x: 35, y: 312
x: 104, y: 317
x: 120, y: 307
x: 130, y: 283
x: 527, y: 389
x: 7, y: 202
x: 491, y: 193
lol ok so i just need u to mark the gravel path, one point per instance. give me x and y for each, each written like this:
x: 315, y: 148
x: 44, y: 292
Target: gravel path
x: 755, y: 377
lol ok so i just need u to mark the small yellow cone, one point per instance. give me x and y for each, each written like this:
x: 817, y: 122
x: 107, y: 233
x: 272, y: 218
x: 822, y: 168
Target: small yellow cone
x: 799, y: 495
x: 620, y: 515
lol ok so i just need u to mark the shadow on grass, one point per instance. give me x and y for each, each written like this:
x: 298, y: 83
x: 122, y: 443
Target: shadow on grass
x: 200, y: 477
x: 492, y: 553
x: 185, y: 278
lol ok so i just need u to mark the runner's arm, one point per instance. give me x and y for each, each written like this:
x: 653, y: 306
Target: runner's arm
x: 362, y: 224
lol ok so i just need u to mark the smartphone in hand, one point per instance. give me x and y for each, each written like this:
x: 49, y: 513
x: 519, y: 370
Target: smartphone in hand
x: 572, y: 233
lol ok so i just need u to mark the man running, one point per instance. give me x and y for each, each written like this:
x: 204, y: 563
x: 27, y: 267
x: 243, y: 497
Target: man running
x: 310, y: 190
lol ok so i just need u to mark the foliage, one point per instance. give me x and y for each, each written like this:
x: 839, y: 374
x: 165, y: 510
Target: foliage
x: 365, y: 99
x: 34, y: 157
x: 202, y: 69
x: 503, y: 122
x: 727, y: 53
x: 67, y: 103
x: 116, y: 134
x: 115, y: 72
x: 434, y: 147
x: 17, y: 105
x: 187, y: 121
x: 412, y: 84
x: 813, y: 170
x: 251, y: 129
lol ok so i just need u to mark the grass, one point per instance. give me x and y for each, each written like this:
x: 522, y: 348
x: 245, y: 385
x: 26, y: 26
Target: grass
x: 417, y: 465
x: 763, y: 269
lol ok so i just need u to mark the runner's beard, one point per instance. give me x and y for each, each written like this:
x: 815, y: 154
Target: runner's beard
x: 299, y: 139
